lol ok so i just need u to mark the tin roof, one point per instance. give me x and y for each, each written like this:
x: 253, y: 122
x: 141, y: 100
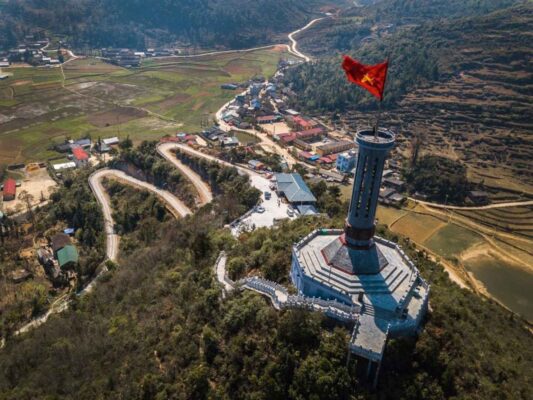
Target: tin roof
x: 294, y: 188
x: 66, y: 255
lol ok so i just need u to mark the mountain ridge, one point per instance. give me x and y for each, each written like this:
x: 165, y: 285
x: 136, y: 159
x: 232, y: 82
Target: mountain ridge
x: 134, y: 23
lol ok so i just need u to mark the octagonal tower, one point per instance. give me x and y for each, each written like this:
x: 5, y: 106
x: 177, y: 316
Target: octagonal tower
x: 361, y: 270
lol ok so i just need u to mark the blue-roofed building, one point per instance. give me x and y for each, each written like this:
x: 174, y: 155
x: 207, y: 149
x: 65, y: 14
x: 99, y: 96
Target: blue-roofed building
x: 255, y: 89
x: 294, y: 189
x: 255, y: 104
x: 83, y: 143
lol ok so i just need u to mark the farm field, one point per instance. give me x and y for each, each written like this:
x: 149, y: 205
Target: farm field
x: 499, y: 259
x: 505, y: 281
x: 42, y: 106
x: 418, y: 227
x: 451, y: 240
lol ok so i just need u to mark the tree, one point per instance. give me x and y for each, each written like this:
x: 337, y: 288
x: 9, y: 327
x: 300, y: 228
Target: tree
x: 27, y: 198
x: 415, y: 145
x: 126, y: 144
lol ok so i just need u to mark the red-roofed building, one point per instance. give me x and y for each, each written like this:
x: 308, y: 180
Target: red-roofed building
x: 267, y: 119
x: 325, y: 160
x: 287, y: 138
x: 311, y: 134
x: 187, y: 138
x: 303, y: 124
x: 81, y: 158
x: 10, y: 189
x: 305, y: 155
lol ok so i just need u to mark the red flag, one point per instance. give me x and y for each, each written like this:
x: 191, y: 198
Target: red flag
x: 370, y: 77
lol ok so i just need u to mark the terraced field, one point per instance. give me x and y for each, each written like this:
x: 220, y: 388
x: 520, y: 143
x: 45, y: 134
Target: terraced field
x: 499, y: 258
x: 516, y: 220
x: 40, y: 106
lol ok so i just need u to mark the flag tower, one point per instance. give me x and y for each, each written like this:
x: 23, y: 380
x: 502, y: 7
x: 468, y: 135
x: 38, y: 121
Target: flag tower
x: 355, y: 267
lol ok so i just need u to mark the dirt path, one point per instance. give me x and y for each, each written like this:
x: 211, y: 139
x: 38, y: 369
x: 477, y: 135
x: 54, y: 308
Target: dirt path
x: 466, y: 208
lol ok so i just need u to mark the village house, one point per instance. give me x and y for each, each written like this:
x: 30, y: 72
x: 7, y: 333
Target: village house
x: 394, y: 183
x: 229, y: 86
x: 256, y: 165
x: 335, y: 147
x: 346, y: 161
x: 81, y: 158
x: 230, y: 141
x: 67, y: 257
x: 10, y: 189
x: 111, y: 141
x: 300, y: 144
x: 267, y: 119
x: 64, y: 166
x: 478, y: 197
x: 301, y: 124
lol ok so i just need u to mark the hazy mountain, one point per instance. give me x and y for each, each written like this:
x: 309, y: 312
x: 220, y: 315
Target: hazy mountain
x: 232, y: 23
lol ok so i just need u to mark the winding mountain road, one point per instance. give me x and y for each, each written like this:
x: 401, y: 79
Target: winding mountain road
x: 177, y: 207
x: 204, y: 191
x: 293, y: 47
x: 174, y: 205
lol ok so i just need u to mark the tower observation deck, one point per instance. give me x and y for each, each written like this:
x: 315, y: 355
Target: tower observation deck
x: 359, y: 269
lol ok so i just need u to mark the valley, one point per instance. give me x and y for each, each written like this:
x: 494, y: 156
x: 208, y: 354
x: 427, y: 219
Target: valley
x: 42, y: 107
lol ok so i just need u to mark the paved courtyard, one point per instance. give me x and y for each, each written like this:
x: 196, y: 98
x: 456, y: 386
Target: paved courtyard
x: 275, y: 208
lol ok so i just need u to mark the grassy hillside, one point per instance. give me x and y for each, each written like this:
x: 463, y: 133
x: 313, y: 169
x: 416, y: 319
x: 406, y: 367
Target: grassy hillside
x: 157, y: 328
x: 464, y: 85
x: 128, y: 23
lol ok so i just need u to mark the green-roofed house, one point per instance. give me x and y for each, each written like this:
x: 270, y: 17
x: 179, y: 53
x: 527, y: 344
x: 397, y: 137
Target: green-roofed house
x: 67, y: 256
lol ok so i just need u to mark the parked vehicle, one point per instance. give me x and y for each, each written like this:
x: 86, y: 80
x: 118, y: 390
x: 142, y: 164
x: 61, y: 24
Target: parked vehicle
x: 268, y: 195
x: 260, y: 209
x: 290, y: 212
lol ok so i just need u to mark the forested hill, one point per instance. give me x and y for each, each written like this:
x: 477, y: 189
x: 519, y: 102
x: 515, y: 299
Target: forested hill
x: 464, y: 84
x: 421, y: 55
x: 128, y: 23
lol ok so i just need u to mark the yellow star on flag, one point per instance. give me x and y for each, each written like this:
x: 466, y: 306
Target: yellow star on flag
x: 367, y: 78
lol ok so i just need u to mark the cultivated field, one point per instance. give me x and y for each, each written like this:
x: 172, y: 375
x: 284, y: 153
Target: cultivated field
x: 493, y: 247
x: 41, y: 106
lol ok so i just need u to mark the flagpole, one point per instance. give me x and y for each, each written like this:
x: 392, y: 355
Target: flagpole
x: 381, y: 101
x: 376, y: 127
